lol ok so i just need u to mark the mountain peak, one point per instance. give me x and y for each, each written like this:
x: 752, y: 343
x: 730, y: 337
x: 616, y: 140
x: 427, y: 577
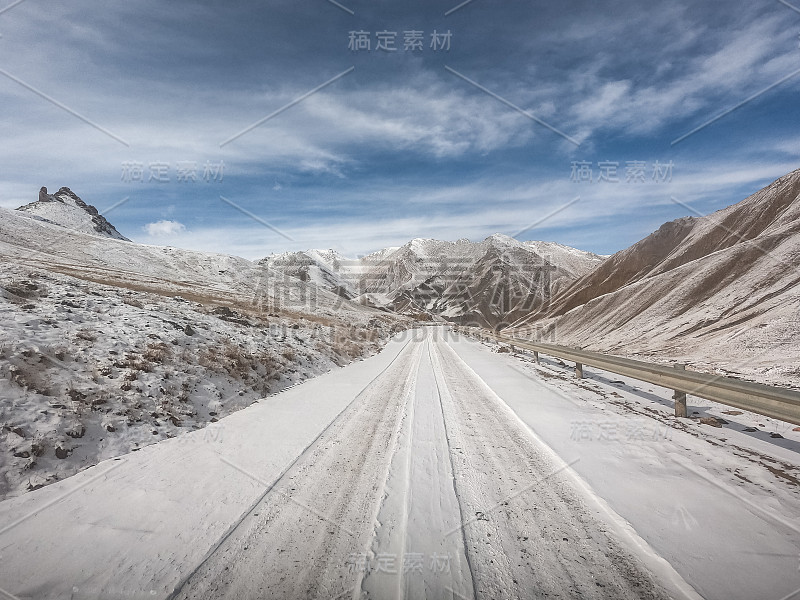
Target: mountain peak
x: 66, y: 209
x: 502, y: 239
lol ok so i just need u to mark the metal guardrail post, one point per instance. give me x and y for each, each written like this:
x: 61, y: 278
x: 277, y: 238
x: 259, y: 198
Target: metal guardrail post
x: 578, y: 370
x: 680, y: 397
x: 536, y: 356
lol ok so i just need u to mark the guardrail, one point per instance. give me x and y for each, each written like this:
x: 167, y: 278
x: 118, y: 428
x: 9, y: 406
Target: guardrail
x: 771, y: 401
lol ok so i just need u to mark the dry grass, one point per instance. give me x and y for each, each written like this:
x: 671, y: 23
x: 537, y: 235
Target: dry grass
x: 24, y: 289
x: 133, y: 302
x: 86, y: 335
x: 157, y: 353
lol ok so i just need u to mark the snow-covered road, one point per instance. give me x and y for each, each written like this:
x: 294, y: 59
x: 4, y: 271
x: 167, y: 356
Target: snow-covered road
x: 413, y: 474
x: 425, y: 487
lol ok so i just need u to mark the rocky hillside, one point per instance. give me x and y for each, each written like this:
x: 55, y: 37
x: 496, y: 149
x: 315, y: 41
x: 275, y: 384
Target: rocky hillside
x: 107, y: 345
x: 724, y: 287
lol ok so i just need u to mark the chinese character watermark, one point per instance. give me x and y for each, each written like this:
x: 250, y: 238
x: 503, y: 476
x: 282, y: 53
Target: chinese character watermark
x: 614, y: 431
x: 211, y: 434
x: 608, y: 171
x: 441, y: 41
x: 186, y: 171
x: 386, y: 41
x: 413, y: 41
x: 389, y: 562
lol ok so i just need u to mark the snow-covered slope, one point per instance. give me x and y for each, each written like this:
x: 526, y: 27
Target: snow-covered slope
x: 107, y: 345
x: 576, y: 263
x: 218, y: 278
x: 724, y: 288
x: 65, y: 209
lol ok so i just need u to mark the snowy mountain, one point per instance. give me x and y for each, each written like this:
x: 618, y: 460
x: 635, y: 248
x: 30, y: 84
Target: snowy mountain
x: 510, y: 279
x: 324, y: 268
x: 723, y: 287
x: 484, y: 283
x: 65, y: 209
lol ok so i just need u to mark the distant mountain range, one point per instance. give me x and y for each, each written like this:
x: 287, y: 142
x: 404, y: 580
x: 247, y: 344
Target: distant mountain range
x: 484, y: 283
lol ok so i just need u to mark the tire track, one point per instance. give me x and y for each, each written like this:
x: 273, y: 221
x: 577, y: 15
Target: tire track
x: 528, y: 532
x: 298, y: 541
x: 420, y: 506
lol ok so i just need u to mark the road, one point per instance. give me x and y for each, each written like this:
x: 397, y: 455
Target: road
x: 425, y: 486
x: 438, y: 468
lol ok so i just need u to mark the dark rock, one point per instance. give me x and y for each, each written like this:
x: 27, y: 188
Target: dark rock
x: 224, y: 311
x: 76, y: 396
x: 188, y: 330
x: 226, y: 314
x: 61, y: 453
x: 77, y: 432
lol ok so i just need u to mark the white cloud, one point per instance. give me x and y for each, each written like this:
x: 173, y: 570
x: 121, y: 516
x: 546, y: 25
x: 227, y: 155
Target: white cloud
x: 732, y: 66
x: 164, y: 228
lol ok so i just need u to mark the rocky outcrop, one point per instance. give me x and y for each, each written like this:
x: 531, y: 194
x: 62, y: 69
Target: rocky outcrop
x: 66, y: 209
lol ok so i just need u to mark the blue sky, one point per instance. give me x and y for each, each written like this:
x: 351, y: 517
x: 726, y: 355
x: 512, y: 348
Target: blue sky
x: 110, y: 98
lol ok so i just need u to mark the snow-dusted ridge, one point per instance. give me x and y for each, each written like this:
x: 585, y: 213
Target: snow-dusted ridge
x: 66, y: 209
